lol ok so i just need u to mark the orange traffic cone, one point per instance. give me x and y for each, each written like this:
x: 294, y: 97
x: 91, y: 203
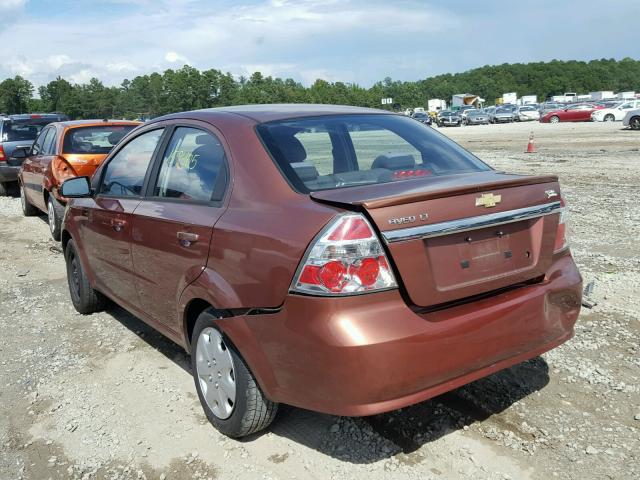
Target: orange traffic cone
x: 531, y: 148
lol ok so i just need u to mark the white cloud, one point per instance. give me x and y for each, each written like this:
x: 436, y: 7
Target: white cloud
x: 83, y: 76
x: 56, y: 61
x: 277, y: 37
x: 173, y: 57
x: 358, y: 41
x: 11, y: 4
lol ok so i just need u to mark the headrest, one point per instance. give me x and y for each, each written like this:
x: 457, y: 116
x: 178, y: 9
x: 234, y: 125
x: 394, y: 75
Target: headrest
x: 291, y: 148
x: 115, y: 137
x: 306, y: 171
x: 209, y: 145
x: 394, y: 162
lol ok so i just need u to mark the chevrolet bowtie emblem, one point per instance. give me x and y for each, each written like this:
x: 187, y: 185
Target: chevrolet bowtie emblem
x: 488, y: 200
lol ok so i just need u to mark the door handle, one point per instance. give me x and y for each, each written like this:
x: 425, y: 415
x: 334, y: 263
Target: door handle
x: 187, y: 238
x: 118, y: 225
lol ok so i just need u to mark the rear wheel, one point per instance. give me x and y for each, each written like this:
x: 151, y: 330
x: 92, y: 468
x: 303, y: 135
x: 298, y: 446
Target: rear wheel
x: 8, y: 189
x: 27, y: 209
x: 609, y: 117
x: 84, y: 298
x: 228, y: 391
x: 554, y: 119
x: 634, y: 123
x: 55, y: 213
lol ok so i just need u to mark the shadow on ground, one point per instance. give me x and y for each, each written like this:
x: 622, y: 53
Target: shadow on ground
x: 374, y: 438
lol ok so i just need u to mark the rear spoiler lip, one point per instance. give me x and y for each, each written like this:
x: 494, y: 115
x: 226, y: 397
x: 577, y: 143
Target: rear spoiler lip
x: 427, y: 189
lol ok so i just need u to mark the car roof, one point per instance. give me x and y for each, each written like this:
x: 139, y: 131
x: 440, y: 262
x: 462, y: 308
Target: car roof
x: 33, y: 116
x: 270, y: 112
x: 95, y: 123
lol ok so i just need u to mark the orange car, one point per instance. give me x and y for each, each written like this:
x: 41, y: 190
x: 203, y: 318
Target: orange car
x: 61, y: 151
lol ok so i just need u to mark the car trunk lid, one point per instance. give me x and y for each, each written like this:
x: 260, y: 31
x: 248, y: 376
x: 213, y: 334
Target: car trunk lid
x: 84, y: 164
x: 462, y: 235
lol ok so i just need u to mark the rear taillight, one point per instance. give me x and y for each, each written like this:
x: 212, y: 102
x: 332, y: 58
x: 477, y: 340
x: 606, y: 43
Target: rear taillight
x: 3, y: 157
x: 561, y: 233
x: 346, y: 258
x: 61, y: 169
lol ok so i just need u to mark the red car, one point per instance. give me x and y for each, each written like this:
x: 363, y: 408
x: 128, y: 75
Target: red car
x: 345, y: 260
x: 572, y: 113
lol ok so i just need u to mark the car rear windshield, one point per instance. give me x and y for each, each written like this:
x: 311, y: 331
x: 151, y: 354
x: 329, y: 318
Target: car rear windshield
x: 347, y: 150
x: 94, y: 140
x: 22, y: 130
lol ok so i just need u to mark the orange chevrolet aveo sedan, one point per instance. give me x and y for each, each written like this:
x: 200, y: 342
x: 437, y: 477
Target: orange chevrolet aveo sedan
x: 64, y: 150
x: 345, y: 260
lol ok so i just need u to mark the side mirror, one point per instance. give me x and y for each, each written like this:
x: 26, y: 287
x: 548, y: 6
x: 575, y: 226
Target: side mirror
x: 20, y: 153
x: 77, y: 187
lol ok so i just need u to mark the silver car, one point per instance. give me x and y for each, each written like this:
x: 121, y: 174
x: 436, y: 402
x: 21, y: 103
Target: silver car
x: 475, y: 117
x: 632, y: 119
x: 503, y: 115
x: 527, y: 113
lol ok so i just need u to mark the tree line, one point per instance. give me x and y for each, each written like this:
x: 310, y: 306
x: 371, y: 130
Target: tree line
x: 188, y: 88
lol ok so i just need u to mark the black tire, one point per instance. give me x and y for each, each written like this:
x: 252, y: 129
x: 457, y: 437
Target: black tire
x: 609, y: 117
x: 27, y: 208
x: 634, y: 123
x: 8, y: 189
x: 55, y: 214
x: 557, y: 119
x: 85, y: 299
x: 252, y: 411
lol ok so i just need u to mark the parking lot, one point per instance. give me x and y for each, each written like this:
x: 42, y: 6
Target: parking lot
x: 105, y: 396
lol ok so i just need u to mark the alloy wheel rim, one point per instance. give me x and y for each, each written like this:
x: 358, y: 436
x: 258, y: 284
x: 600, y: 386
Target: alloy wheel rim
x: 216, y: 375
x: 555, y: 119
x: 635, y: 124
x: 51, y: 212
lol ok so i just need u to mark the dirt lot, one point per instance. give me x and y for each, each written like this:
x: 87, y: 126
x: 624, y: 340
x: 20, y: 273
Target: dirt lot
x: 104, y: 396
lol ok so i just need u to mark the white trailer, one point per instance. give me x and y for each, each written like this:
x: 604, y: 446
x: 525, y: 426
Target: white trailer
x: 510, y: 98
x: 528, y: 99
x: 626, y: 95
x: 436, y: 105
x: 602, y: 95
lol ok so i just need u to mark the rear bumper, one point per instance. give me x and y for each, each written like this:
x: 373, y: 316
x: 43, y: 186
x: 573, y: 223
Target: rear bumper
x: 9, y: 173
x: 369, y: 354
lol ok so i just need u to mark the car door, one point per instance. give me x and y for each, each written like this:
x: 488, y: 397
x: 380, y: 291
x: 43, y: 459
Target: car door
x: 622, y: 110
x: 173, y: 224
x: 35, y: 164
x: 106, y: 235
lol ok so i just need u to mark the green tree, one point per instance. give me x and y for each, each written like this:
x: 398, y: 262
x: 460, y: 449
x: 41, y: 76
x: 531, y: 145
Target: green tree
x: 15, y: 94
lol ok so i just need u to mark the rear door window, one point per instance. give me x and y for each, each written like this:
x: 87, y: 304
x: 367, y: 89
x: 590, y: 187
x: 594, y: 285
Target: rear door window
x: 125, y: 173
x: 192, y: 167
x: 48, y: 147
x: 36, y: 148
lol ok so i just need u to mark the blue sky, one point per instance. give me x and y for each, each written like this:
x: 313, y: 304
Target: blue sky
x: 360, y: 41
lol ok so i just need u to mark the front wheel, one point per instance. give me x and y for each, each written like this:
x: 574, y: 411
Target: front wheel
x: 228, y: 392
x: 609, y: 118
x: 84, y: 298
x: 554, y: 119
x: 55, y: 212
x: 634, y: 123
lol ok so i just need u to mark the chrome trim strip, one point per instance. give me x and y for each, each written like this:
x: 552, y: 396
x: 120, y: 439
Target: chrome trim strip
x: 470, y: 223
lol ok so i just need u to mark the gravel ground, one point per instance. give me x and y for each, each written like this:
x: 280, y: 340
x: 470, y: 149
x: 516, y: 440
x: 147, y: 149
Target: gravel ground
x: 106, y: 397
